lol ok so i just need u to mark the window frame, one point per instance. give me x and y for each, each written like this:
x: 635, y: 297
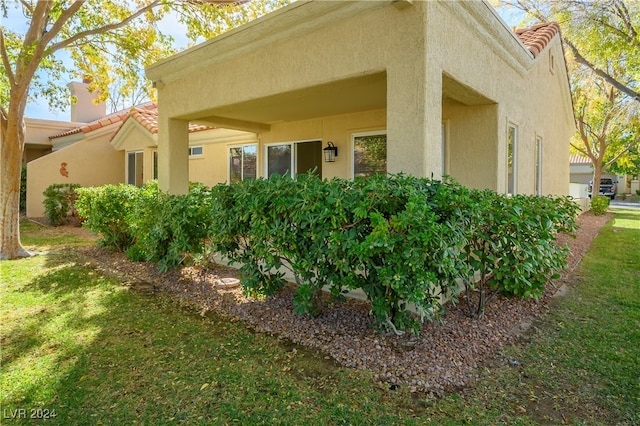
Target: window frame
x: 128, y: 174
x: 353, y: 148
x: 242, y: 146
x: 192, y: 148
x: 513, y: 181
x: 538, y: 165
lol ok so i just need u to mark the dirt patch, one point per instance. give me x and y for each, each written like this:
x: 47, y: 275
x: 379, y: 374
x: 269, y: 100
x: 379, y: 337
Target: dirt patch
x: 443, y: 357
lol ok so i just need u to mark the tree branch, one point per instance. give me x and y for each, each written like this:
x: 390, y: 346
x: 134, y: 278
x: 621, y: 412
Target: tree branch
x: 64, y: 43
x: 612, y: 81
x: 27, y: 6
x: 620, y: 154
x: 5, y: 59
x: 623, y: 13
x: 580, y: 150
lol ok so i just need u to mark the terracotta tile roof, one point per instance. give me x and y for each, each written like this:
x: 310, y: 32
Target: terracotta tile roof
x: 537, y: 37
x: 116, y: 117
x: 146, y: 114
x: 148, y: 118
x: 578, y: 159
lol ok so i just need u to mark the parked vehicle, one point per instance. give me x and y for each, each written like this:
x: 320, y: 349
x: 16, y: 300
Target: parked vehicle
x: 607, y: 187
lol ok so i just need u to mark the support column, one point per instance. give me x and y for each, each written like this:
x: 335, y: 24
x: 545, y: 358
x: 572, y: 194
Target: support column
x: 414, y: 121
x: 173, y: 155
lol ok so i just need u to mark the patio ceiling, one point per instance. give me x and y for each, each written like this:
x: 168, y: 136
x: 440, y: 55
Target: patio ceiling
x: 356, y: 94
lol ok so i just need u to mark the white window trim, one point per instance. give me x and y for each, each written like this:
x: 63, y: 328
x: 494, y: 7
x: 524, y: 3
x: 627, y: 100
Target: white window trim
x: 294, y: 153
x: 127, y: 164
x: 196, y: 155
x: 538, y: 171
x: 242, y: 145
x: 353, y: 147
x: 154, y: 168
x: 446, y: 137
x: 514, y: 160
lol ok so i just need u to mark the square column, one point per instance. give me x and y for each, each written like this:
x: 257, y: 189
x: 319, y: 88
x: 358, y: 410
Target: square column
x: 173, y: 155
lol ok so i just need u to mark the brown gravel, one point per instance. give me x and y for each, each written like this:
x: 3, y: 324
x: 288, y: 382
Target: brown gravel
x: 443, y: 357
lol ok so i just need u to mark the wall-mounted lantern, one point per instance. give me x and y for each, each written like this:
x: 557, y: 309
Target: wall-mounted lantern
x: 330, y: 152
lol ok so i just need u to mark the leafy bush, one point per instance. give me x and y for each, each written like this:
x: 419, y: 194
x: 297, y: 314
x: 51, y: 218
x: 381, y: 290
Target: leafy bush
x: 599, y: 205
x: 105, y: 209
x: 59, y: 202
x: 168, y: 228
x: 393, y: 237
x: 511, y: 245
x: 637, y: 191
x: 405, y: 241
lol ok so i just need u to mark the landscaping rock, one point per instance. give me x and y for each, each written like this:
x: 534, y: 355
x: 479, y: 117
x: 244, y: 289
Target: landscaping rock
x: 443, y: 357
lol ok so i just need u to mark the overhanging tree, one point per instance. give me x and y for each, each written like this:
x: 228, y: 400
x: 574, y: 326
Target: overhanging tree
x: 107, y: 41
x: 607, y: 125
x: 603, y: 39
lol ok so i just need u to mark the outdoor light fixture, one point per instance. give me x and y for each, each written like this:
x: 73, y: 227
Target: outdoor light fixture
x: 330, y: 152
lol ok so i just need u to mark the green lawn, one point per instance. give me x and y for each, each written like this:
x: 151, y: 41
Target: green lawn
x: 96, y: 352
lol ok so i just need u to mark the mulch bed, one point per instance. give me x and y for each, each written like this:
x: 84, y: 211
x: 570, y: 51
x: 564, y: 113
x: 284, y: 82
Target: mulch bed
x: 443, y: 357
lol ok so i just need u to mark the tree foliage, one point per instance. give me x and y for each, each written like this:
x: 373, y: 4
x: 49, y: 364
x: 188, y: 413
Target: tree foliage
x: 603, y: 42
x: 105, y: 40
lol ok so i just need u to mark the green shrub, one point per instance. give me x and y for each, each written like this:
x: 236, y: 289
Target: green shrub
x: 169, y: 228
x: 393, y: 237
x: 599, y: 205
x: 105, y: 211
x: 59, y: 202
x: 511, y: 244
x: 404, y: 241
x: 638, y: 192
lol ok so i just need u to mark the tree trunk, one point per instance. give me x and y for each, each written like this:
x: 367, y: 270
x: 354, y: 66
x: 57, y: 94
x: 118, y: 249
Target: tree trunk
x: 597, y: 174
x: 11, y: 149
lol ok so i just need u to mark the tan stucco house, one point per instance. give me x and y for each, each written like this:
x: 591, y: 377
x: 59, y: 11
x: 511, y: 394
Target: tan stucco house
x: 426, y: 88
x: 113, y: 148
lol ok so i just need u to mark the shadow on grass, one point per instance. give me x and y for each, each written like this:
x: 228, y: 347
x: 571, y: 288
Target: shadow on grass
x: 97, y: 352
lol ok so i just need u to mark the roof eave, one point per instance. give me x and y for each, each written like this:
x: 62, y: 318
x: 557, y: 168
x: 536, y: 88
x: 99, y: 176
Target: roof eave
x: 481, y: 18
x: 293, y: 20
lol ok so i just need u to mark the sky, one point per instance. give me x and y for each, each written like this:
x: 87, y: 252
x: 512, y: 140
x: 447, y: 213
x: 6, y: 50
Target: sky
x: 169, y: 25
x: 40, y: 107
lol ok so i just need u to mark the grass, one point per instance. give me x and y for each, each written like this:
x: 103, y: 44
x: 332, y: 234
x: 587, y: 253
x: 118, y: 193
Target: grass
x: 96, y: 352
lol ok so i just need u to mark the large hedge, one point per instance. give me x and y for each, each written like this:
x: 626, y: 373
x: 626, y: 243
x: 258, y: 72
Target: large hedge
x: 407, y: 242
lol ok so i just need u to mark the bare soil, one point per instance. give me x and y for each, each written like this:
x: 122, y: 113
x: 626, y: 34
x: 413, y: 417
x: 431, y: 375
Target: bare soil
x: 443, y: 357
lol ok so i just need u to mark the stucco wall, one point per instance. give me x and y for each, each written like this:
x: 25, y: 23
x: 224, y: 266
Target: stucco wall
x: 337, y: 129
x: 212, y: 167
x: 534, y: 100
x: 472, y: 146
x: 90, y: 162
x: 254, y: 68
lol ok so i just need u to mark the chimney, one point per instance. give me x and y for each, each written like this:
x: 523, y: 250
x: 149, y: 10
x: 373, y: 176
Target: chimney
x: 84, y: 109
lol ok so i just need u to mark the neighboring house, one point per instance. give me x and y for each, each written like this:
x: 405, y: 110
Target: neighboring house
x: 581, y: 172
x: 425, y: 88
x: 38, y: 131
x: 118, y: 148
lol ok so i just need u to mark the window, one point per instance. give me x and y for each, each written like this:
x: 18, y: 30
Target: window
x: 293, y: 158
x: 369, y: 154
x: 155, y: 165
x: 280, y: 159
x: 195, y: 151
x: 512, y: 159
x: 538, y: 161
x: 445, y: 148
x: 135, y: 168
x: 242, y: 163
